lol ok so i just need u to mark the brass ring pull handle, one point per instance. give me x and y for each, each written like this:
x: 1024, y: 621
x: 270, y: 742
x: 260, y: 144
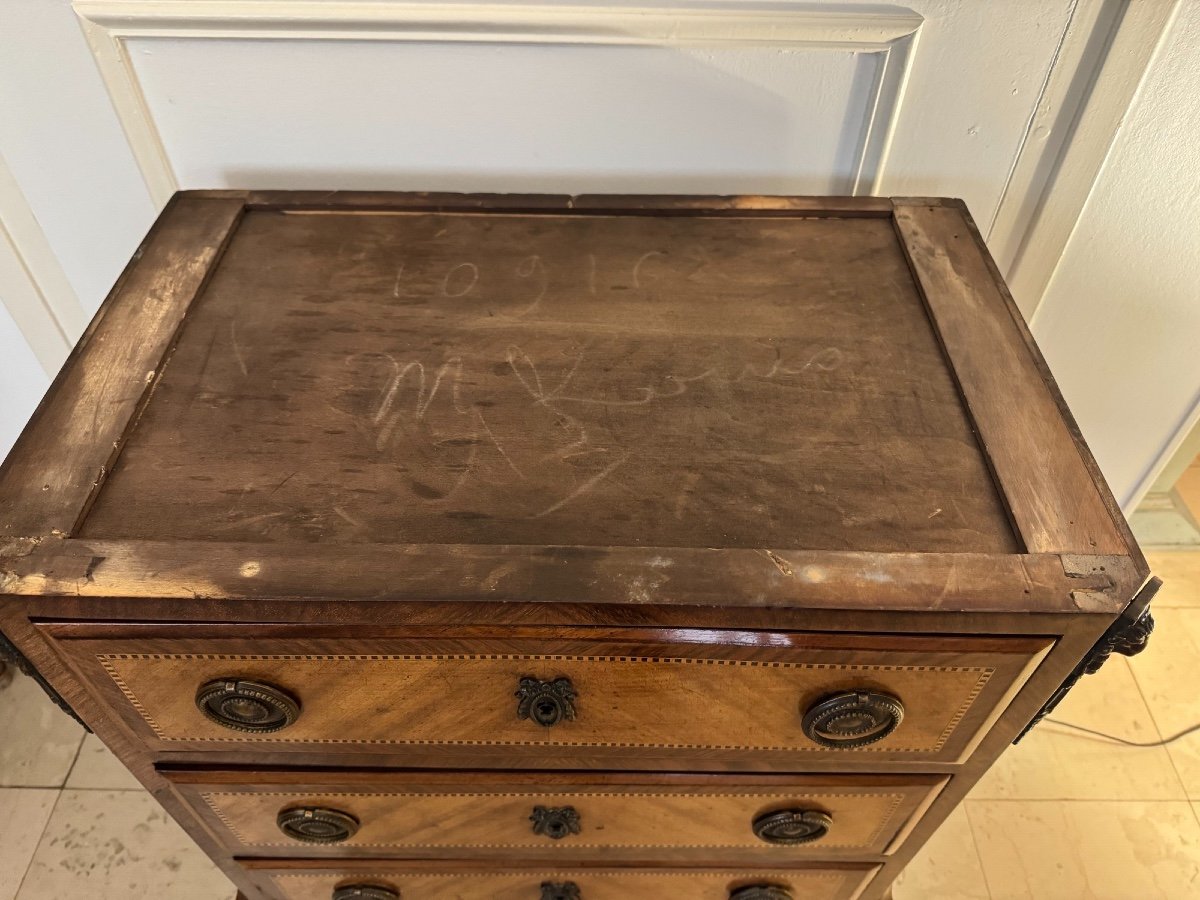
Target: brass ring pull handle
x: 761, y: 892
x: 560, y: 890
x: 250, y: 706
x: 365, y: 892
x: 555, y: 822
x: 314, y: 825
x: 853, y: 719
x: 546, y: 702
x: 790, y: 827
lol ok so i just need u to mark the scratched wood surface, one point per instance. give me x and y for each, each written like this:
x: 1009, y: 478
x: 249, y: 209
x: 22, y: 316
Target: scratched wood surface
x: 388, y: 377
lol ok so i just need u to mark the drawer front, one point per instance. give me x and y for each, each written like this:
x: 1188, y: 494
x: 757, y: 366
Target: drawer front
x: 429, y: 882
x: 716, y: 694
x: 543, y: 815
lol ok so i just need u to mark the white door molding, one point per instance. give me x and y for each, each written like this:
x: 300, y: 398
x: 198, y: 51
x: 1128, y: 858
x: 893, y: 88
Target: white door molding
x: 108, y: 24
x: 1181, y: 442
x: 36, y: 291
x: 1103, y: 55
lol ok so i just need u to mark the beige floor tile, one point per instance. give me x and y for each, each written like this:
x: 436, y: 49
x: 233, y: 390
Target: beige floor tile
x: 1188, y: 488
x: 1180, y: 572
x: 25, y: 813
x: 947, y: 868
x: 118, y: 845
x: 97, y: 768
x: 38, y: 741
x: 1087, y: 850
x: 1166, y: 673
x: 1054, y: 763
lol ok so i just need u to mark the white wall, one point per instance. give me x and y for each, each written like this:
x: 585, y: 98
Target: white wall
x: 1120, y: 322
x: 22, y: 381
x: 423, y: 115
x: 65, y: 148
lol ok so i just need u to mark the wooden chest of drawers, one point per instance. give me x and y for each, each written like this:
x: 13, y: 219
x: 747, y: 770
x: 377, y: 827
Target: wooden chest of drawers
x: 446, y: 546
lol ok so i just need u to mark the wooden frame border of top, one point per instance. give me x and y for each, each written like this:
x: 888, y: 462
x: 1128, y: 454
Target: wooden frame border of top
x: 1079, y: 552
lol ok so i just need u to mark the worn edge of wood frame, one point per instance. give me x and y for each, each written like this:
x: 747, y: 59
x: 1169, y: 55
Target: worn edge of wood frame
x: 1039, y: 360
x: 1100, y: 528
x: 237, y: 203
x: 350, y: 202
x: 629, y: 576
x: 54, y: 512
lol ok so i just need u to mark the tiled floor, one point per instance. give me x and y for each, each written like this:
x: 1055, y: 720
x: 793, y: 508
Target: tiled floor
x: 1062, y: 817
x: 1188, y: 488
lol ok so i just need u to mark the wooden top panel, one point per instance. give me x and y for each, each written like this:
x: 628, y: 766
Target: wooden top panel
x: 384, y: 376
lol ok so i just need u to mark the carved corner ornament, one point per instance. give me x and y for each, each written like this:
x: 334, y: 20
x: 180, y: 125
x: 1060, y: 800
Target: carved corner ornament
x: 11, y: 656
x: 1128, y: 636
x: 1128, y: 641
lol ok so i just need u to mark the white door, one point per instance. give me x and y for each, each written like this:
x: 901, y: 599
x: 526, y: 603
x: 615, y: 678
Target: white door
x: 110, y: 105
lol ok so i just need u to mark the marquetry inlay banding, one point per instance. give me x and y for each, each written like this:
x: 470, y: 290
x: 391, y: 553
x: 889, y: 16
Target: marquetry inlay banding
x: 650, y: 702
x: 789, y: 875
x: 720, y: 819
x: 596, y: 884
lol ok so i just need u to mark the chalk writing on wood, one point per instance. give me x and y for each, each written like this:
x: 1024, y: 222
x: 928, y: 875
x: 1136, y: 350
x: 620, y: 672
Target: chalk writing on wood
x: 460, y: 280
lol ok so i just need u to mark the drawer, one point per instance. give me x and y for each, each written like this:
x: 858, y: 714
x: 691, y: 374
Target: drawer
x: 689, y: 818
x: 779, y: 699
x: 430, y: 881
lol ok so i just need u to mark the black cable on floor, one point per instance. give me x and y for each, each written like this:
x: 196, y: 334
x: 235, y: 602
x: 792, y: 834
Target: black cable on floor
x: 1120, y: 740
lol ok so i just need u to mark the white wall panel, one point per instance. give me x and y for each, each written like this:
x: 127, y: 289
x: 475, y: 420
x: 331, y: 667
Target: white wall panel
x: 1120, y: 322
x: 22, y: 382
x: 474, y: 116
x: 977, y: 76
x: 65, y: 148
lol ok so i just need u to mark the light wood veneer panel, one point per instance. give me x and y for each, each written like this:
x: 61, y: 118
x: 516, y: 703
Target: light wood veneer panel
x: 691, y: 818
x: 651, y: 697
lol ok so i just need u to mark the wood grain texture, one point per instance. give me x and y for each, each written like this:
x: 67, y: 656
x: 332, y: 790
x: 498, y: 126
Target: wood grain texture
x: 1050, y: 491
x: 432, y: 882
x: 1089, y: 460
x: 582, y: 204
x: 837, y: 460
x: 590, y: 381
x: 473, y: 815
x: 630, y: 579
x: 66, y: 451
x: 737, y: 695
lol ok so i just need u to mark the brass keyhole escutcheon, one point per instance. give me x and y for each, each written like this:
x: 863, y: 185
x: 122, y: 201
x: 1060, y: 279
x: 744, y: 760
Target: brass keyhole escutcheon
x: 365, y: 892
x: 545, y: 702
x: 555, y: 822
x: 560, y: 890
